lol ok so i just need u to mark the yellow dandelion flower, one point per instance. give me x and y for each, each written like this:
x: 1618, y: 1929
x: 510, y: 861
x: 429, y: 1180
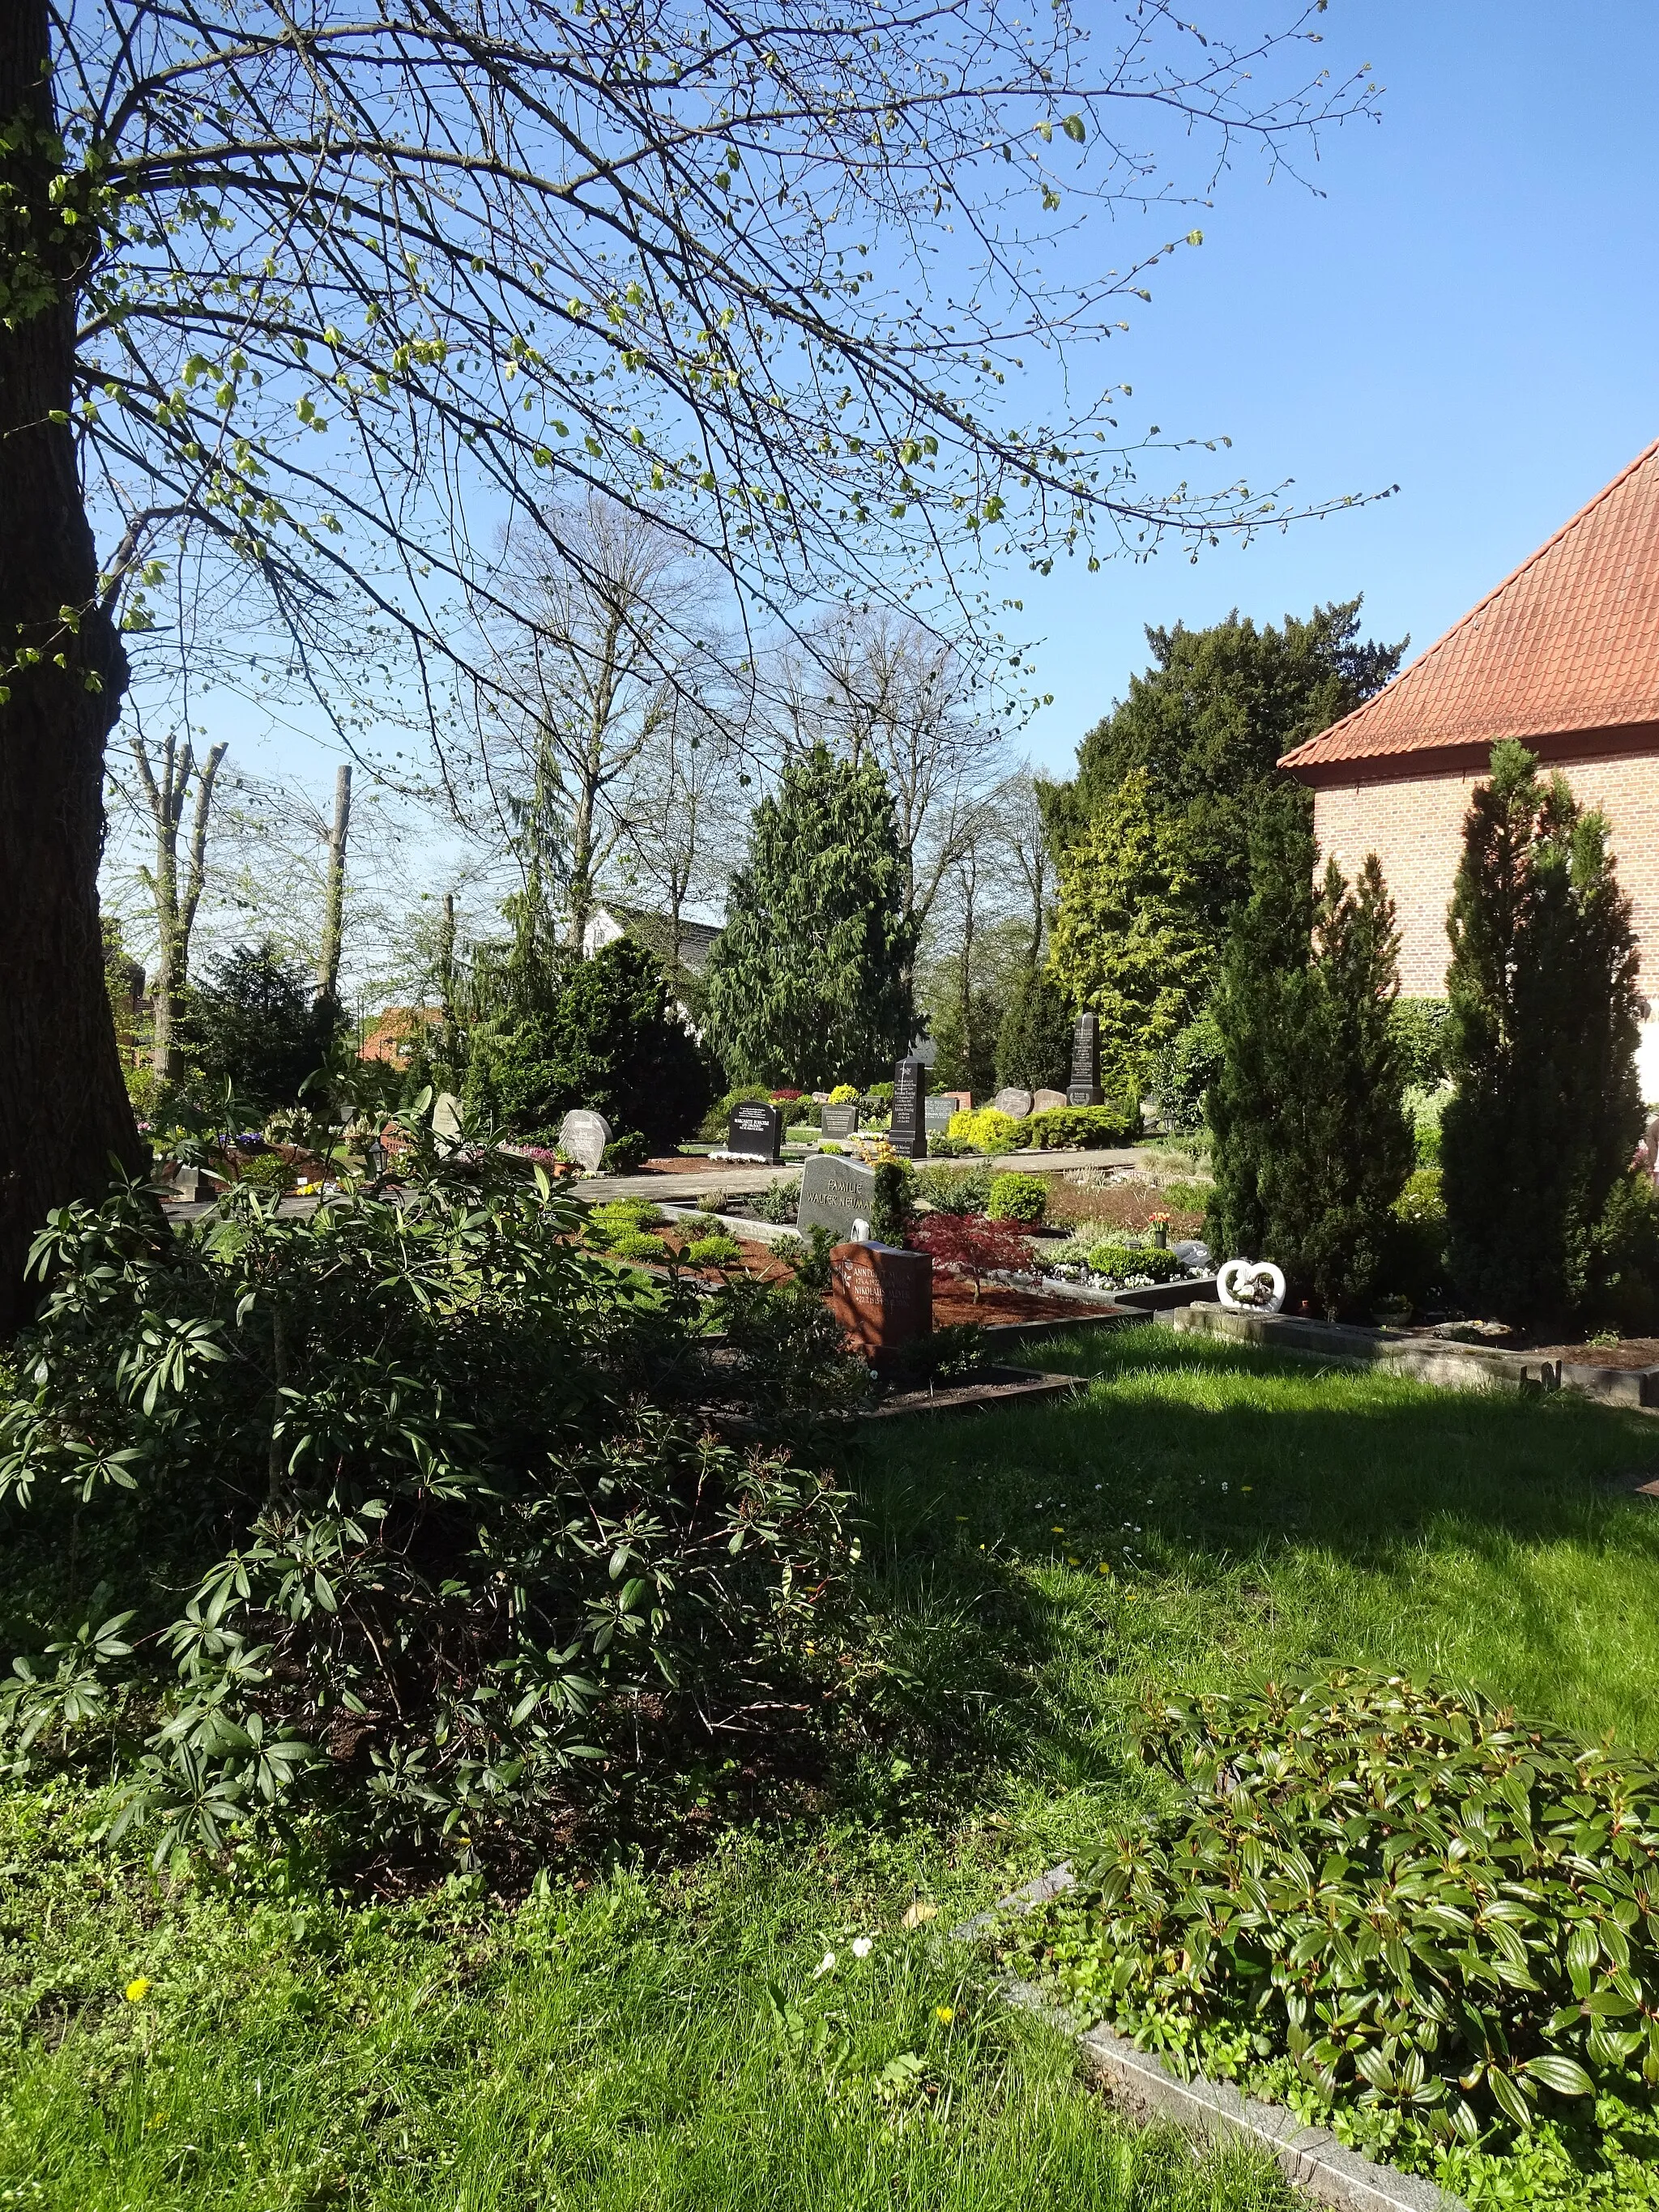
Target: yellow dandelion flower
x: 944, y: 2013
x: 138, y: 1990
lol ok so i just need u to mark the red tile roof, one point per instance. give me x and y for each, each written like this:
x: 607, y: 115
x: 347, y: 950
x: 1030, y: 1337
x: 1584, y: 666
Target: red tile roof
x: 1569, y: 642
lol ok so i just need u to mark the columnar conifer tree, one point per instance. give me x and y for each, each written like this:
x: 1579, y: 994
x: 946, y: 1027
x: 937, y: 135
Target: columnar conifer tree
x: 809, y: 980
x: 1541, y: 1046
x: 1312, y: 1144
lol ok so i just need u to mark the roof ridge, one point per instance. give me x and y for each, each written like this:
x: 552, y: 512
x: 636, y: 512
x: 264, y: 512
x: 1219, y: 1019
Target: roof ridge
x: 1355, y: 714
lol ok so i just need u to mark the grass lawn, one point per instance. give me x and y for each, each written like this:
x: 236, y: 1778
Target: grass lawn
x: 659, y: 2038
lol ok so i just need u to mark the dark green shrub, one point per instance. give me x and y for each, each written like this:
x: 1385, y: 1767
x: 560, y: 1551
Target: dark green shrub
x: 1541, y: 1045
x: 626, y: 1154
x: 1420, y: 1034
x: 254, y: 1022
x: 1184, y: 1071
x: 1624, y: 1292
x: 952, y: 1189
x: 894, y: 1205
x: 1082, y: 1128
x: 1397, y: 1905
x: 601, y: 1033
x: 1017, y: 1197
x: 1034, y: 1040
x: 1117, y: 1259
x: 1414, y: 1250
x: 409, y: 1509
x: 1311, y: 1144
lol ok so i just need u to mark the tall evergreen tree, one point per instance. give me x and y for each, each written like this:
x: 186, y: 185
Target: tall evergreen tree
x: 1541, y: 1045
x: 1206, y: 723
x: 1312, y: 1143
x: 809, y: 982
x: 1034, y: 1039
x: 1127, y: 940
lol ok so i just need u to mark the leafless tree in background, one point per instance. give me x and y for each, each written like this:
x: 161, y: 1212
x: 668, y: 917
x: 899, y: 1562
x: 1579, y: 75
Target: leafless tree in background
x: 168, y: 783
x: 584, y: 684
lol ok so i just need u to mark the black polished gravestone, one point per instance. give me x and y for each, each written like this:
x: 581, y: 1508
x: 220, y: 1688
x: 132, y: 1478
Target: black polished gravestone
x: 907, y: 1134
x: 835, y: 1193
x: 1083, y: 1086
x: 754, y: 1132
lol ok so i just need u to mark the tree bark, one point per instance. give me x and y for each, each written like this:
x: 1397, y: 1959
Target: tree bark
x: 328, y: 964
x: 64, y: 1109
x: 175, y: 909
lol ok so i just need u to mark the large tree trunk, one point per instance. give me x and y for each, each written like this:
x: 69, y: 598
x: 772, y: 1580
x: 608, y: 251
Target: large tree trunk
x: 64, y: 1107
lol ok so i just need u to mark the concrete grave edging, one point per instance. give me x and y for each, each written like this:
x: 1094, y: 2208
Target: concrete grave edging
x: 1311, y: 2158
x: 1447, y: 1365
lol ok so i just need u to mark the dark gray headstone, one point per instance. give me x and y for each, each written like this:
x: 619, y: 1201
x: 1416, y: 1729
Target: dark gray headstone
x: 835, y: 1193
x: 840, y: 1121
x: 754, y: 1132
x: 1083, y: 1086
x: 908, y: 1134
x: 1013, y: 1102
x: 583, y: 1136
x: 939, y: 1111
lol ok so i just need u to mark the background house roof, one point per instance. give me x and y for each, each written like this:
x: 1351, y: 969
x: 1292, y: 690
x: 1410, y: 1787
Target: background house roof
x: 1569, y: 642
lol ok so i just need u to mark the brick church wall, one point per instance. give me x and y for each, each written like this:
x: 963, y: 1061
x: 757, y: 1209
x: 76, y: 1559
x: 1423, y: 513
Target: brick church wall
x: 1414, y: 825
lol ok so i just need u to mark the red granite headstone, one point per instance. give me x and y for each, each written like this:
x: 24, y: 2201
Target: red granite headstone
x: 883, y: 1298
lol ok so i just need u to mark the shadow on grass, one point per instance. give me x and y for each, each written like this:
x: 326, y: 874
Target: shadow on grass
x: 1208, y: 1511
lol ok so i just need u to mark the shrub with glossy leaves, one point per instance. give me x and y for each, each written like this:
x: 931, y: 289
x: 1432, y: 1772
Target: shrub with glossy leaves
x: 1394, y: 1901
x: 415, y: 1513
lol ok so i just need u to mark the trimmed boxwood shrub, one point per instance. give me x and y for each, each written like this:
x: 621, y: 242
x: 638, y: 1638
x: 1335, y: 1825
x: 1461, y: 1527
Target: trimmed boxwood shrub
x: 1155, y: 1261
x: 1397, y: 1908
x: 1016, y: 1197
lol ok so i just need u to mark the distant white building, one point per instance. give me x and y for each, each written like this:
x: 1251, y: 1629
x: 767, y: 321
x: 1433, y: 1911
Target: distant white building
x: 611, y: 920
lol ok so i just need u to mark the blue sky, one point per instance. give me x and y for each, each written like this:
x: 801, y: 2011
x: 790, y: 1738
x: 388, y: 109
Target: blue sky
x: 1467, y: 308
x: 1471, y: 311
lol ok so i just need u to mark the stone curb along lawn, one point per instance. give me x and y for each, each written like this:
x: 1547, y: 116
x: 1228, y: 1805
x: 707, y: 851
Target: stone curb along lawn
x: 1449, y: 1366
x: 1312, y: 2159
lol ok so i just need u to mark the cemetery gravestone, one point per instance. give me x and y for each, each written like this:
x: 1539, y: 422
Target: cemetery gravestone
x: 1015, y: 1102
x: 835, y: 1193
x: 754, y: 1132
x: 1047, y: 1102
x: 840, y: 1121
x: 1084, y: 1087
x: 907, y: 1134
x: 446, y: 1120
x: 961, y: 1102
x: 583, y: 1136
x: 883, y: 1298
x: 939, y: 1111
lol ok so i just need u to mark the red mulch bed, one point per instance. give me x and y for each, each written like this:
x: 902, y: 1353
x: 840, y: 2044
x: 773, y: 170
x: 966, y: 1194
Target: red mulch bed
x: 954, y: 1302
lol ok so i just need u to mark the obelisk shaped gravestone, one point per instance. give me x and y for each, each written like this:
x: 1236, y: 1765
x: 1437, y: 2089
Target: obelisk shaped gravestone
x: 908, y: 1134
x: 1084, y: 1087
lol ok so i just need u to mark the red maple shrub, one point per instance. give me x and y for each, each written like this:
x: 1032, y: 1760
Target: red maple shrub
x: 969, y: 1244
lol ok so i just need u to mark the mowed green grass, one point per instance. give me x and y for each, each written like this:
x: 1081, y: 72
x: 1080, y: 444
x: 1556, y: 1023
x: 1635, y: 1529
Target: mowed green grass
x: 660, y: 2038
